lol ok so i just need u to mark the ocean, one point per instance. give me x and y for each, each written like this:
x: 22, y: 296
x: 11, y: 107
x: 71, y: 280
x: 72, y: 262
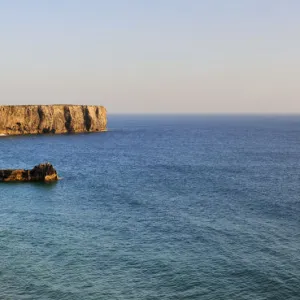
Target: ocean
x: 157, y: 207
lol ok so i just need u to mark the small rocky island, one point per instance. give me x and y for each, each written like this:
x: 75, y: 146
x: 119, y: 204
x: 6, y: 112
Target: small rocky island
x: 53, y: 119
x: 43, y: 172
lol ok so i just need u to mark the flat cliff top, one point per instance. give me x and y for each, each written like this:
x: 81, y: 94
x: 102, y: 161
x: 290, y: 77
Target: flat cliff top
x: 36, y: 105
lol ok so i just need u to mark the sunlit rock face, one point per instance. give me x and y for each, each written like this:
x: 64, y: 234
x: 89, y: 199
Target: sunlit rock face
x: 43, y: 172
x: 53, y: 119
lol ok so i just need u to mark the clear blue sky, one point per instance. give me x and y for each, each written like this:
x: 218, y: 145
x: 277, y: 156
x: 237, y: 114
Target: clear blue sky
x: 154, y: 56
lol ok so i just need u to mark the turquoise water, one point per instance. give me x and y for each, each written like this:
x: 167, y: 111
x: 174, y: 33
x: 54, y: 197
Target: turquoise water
x: 158, y: 207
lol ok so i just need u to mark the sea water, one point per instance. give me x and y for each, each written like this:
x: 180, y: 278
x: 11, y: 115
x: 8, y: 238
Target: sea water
x: 157, y: 207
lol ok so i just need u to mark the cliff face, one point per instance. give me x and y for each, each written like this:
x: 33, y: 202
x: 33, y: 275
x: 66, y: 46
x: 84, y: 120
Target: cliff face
x: 37, y: 119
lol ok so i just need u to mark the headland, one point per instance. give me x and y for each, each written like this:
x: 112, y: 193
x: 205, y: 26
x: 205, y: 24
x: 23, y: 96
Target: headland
x: 53, y: 119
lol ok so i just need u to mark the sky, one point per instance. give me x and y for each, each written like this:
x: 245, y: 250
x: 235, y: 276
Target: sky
x: 152, y: 56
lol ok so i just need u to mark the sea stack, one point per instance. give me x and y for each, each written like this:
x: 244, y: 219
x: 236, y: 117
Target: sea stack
x: 42, y: 172
x: 53, y: 119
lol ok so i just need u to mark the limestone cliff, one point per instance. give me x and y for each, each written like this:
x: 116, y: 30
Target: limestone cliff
x: 38, y: 119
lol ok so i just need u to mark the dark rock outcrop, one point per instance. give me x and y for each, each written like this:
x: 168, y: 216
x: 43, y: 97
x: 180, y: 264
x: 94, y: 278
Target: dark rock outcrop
x: 42, y: 172
x: 53, y: 119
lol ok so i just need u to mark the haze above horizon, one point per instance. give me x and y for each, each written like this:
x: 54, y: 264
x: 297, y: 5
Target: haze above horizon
x: 152, y: 56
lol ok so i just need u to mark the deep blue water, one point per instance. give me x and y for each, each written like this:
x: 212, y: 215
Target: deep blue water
x: 158, y: 207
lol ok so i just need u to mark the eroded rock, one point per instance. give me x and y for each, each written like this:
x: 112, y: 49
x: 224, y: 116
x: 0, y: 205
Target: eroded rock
x: 42, y: 172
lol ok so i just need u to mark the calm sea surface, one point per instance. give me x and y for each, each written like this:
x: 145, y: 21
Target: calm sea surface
x: 158, y: 207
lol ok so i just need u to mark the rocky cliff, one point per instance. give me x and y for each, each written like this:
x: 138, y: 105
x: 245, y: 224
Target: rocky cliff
x: 38, y: 119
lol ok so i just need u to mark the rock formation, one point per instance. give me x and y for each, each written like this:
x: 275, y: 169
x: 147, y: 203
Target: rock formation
x: 42, y: 172
x: 55, y: 119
